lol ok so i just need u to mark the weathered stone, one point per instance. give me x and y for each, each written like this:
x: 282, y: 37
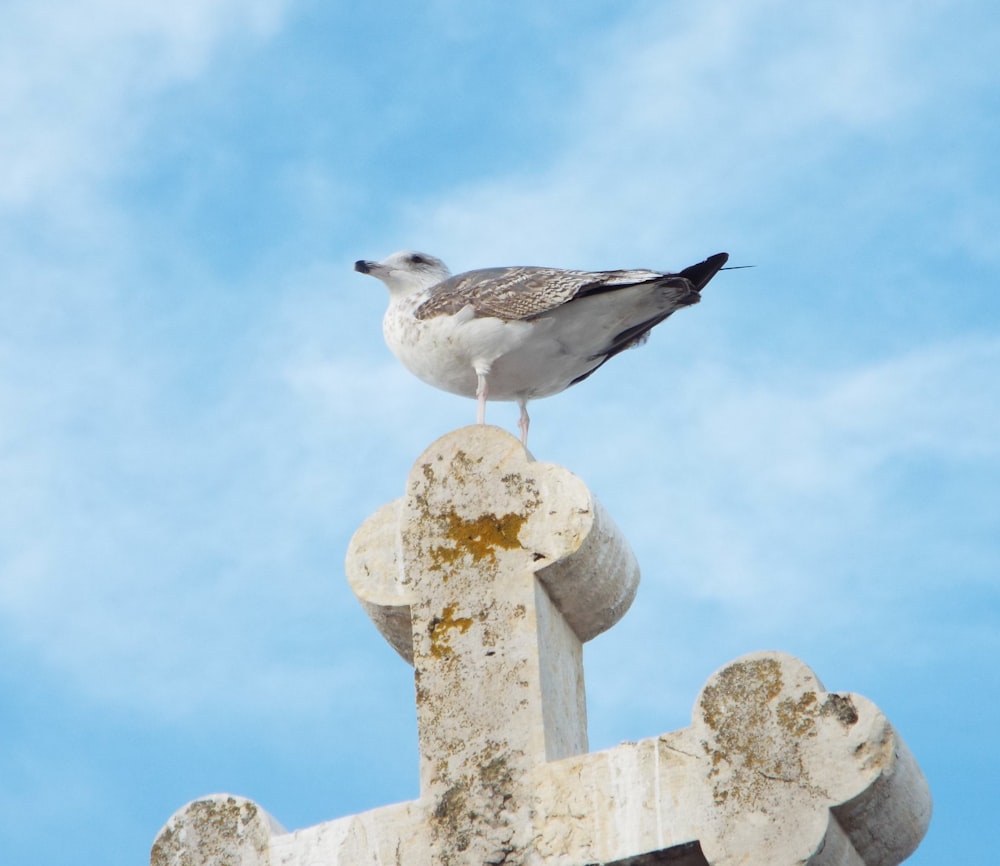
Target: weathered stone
x: 487, y: 576
x: 773, y: 770
x: 578, y: 553
x: 219, y: 830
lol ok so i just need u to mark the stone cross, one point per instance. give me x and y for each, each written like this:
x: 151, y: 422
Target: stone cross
x: 488, y: 576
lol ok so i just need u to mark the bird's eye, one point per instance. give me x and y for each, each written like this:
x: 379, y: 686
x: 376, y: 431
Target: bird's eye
x: 417, y: 259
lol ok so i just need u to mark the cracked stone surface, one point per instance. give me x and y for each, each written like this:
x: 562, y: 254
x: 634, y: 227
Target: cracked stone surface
x: 488, y: 575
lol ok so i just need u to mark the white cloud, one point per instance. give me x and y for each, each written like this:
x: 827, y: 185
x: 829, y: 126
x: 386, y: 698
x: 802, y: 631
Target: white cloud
x: 684, y: 121
x: 159, y: 548
x: 75, y: 79
x: 788, y: 479
x: 182, y: 458
x: 100, y: 512
x: 161, y: 534
x: 834, y: 514
x: 760, y: 489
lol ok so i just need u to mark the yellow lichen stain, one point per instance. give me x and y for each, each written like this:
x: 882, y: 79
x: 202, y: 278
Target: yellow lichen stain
x: 755, y: 682
x: 441, y: 628
x: 479, y: 538
x: 797, y: 717
x: 737, y: 708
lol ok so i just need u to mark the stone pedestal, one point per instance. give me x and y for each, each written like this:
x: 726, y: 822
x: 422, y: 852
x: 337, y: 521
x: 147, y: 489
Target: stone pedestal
x: 488, y: 575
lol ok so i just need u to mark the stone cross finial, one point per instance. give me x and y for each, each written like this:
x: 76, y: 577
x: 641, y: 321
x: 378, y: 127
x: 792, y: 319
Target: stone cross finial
x: 488, y: 575
x: 505, y: 566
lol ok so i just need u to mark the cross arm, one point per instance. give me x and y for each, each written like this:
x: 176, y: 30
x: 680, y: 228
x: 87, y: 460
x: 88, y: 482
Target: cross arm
x: 773, y: 770
x: 223, y: 829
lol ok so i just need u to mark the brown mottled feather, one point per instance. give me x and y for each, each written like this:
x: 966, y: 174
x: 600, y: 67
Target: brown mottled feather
x: 524, y: 292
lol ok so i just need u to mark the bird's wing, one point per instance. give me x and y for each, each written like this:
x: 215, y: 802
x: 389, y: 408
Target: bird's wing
x: 522, y: 292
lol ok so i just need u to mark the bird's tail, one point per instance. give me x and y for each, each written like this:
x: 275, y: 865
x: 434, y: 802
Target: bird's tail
x: 700, y: 274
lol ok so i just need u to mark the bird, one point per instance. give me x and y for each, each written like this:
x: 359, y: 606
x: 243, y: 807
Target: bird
x: 521, y: 333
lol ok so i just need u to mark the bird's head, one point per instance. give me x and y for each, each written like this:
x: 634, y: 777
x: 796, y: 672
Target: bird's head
x: 406, y: 272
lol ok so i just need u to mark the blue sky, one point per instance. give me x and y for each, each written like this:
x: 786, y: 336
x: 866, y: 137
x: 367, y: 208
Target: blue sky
x: 197, y: 409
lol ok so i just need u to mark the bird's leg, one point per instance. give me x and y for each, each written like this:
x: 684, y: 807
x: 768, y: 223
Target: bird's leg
x: 523, y: 421
x: 482, y: 390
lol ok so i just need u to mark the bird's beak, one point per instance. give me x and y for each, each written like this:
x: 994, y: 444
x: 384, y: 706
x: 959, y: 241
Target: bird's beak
x: 363, y: 267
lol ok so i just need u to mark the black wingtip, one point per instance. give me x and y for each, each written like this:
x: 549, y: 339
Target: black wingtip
x: 701, y: 273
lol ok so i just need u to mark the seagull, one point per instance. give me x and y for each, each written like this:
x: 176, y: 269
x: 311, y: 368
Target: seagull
x: 520, y: 333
